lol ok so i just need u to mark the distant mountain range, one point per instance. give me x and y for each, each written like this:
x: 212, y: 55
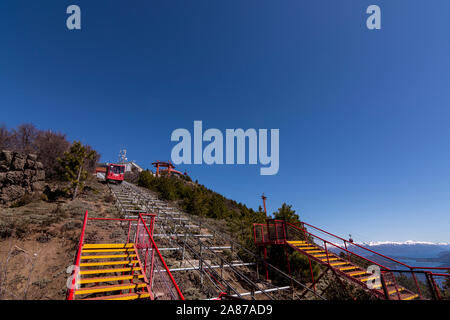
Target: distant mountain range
x: 413, y: 253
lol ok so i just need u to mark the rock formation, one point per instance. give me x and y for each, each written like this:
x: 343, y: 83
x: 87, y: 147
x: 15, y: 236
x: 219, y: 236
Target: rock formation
x: 19, y: 174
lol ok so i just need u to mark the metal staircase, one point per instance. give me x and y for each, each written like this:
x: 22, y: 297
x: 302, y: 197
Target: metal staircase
x: 350, y: 270
x: 130, y: 269
x: 120, y: 270
x: 350, y: 261
x: 204, y: 250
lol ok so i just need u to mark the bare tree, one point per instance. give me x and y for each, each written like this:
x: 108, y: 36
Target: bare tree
x: 23, y: 138
x: 50, y: 146
x: 47, y: 145
x: 5, y: 138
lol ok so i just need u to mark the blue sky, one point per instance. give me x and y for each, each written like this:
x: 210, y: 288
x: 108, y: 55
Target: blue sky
x: 363, y: 115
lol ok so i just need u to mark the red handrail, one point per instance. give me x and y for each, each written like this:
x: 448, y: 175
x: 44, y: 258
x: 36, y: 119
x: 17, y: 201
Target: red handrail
x: 161, y: 258
x: 78, y: 258
x: 379, y: 254
x: 333, y: 244
x: 303, y: 229
x: 113, y: 219
x: 355, y: 244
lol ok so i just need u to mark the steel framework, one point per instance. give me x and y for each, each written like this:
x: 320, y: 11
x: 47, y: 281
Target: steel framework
x: 131, y: 269
x: 349, y: 261
x: 203, y: 250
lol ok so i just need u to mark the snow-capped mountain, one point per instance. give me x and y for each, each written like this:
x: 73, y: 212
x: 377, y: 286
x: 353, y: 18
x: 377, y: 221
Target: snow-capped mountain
x: 414, y: 253
x: 407, y: 242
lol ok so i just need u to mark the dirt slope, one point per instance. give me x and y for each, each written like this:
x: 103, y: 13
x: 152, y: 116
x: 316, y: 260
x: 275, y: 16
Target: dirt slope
x: 38, y: 242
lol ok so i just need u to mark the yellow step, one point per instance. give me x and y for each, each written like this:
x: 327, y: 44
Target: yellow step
x: 411, y: 297
x: 109, y: 279
x: 330, y: 259
x: 107, y: 245
x: 314, y: 251
x: 108, y: 256
x: 107, y: 263
x: 337, y: 263
x: 400, y: 289
x: 127, y: 296
x: 365, y: 279
x: 110, y: 288
x: 376, y: 286
x: 107, y: 250
x: 296, y: 242
x: 97, y: 271
x: 348, y: 268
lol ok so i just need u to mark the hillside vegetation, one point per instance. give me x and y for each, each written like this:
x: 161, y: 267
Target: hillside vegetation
x: 196, y: 199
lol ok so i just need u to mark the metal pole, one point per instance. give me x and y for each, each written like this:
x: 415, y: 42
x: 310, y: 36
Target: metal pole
x: 312, y: 274
x: 265, y: 263
x: 201, y: 264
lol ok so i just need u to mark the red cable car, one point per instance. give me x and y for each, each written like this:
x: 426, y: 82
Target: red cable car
x: 115, y: 172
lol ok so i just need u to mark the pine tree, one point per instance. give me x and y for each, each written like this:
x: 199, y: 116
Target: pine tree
x: 286, y: 213
x: 74, y: 162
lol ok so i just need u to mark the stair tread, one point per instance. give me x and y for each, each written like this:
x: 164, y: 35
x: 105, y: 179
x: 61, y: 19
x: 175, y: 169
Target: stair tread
x: 108, y: 256
x: 348, y: 268
x: 125, y: 296
x: 115, y: 287
x: 107, y: 263
x: 109, y: 279
x: 113, y: 270
x: 410, y: 297
x: 107, y: 245
x: 107, y: 250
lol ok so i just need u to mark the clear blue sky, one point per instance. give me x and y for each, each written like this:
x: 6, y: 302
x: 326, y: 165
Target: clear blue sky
x: 363, y: 115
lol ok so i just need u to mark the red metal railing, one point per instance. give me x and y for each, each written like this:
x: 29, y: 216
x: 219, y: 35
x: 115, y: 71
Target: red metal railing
x: 160, y: 279
x: 278, y: 231
x: 75, y: 270
x: 140, y: 232
x: 395, y: 266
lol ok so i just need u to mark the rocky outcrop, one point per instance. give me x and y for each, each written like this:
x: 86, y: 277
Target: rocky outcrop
x: 19, y: 174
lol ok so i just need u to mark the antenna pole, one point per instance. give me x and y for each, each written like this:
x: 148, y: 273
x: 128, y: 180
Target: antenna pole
x: 263, y: 197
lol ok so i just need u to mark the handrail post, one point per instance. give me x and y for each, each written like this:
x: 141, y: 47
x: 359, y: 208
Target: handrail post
x: 312, y: 274
x: 288, y: 265
x: 383, y: 284
x: 136, y: 236
x: 415, y: 281
x: 276, y: 232
x: 286, y: 235
x: 347, y: 251
x: 430, y: 285
x: 78, y: 258
x: 435, y: 286
x: 395, y: 285
x: 129, y: 229
x: 326, y: 252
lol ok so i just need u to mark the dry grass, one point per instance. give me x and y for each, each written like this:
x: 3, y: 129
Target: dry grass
x: 38, y: 241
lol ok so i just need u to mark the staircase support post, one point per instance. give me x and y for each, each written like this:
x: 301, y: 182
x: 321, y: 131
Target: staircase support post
x: 383, y: 284
x: 288, y: 265
x: 312, y: 274
x: 431, y: 287
x: 265, y: 263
